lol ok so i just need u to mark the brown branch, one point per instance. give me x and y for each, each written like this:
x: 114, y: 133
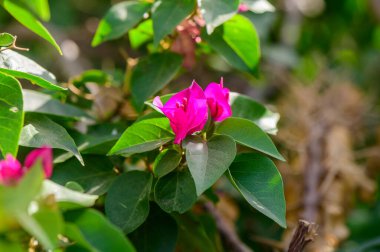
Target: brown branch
x: 227, y: 233
x: 305, y: 233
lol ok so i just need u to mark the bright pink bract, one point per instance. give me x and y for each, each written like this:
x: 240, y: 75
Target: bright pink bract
x: 218, y: 101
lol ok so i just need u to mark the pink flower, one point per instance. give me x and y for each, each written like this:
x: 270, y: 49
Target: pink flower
x: 45, y: 154
x: 187, y: 111
x: 243, y: 7
x: 218, y: 101
x: 11, y: 170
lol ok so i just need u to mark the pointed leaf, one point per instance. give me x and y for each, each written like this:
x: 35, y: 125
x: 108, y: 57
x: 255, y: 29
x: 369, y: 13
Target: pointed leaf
x: 258, y: 180
x: 166, y: 162
x: 209, y: 160
x: 247, y: 133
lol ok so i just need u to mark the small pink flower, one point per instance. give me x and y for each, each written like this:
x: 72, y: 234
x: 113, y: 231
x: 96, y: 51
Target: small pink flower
x: 243, y: 8
x: 187, y: 111
x: 218, y: 101
x: 45, y: 154
x: 11, y: 171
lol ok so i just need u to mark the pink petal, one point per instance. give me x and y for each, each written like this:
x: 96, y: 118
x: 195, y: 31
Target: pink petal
x: 46, y: 155
x: 10, y: 171
x: 218, y: 101
x: 157, y: 102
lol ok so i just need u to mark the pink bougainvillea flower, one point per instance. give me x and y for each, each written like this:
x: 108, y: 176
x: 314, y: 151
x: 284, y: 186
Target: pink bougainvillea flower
x: 187, y: 111
x: 45, y: 154
x: 243, y: 7
x: 11, y: 171
x: 218, y: 101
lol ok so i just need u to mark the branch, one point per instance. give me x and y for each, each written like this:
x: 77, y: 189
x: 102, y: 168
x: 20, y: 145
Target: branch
x: 305, y: 233
x: 227, y: 233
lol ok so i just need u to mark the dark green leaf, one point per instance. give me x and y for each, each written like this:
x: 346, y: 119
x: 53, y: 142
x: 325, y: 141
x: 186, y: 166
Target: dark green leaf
x: 11, y: 114
x: 28, y: 20
x: 209, y: 160
x: 45, y: 104
x: 176, y: 192
x: 95, y: 177
x: 6, y: 39
x: 237, y: 41
x: 247, y: 133
x: 151, y: 74
x: 158, y: 233
x: 127, y: 202
x: 143, y: 136
x: 166, y: 162
x: 119, y: 19
x: 39, y: 130
x: 216, y: 12
x: 167, y: 14
x: 19, y: 66
x: 258, y: 180
x: 98, y: 231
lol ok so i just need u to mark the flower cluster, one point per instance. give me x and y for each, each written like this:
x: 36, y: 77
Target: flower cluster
x: 11, y: 170
x: 188, y: 110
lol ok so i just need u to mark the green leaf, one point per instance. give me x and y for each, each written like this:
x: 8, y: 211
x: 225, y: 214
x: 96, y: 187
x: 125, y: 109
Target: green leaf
x: 6, y: 39
x: 216, y: 12
x: 40, y: 8
x: 98, y: 231
x: 72, y: 232
x: 95, y: 177
x: 245, y: 107
x: 11, y: 246
x: 141, y: 34
x: 29, y: 21
x: 151, y: 74
x: 16, y: 199
x: 167, y: 14
x: 44, y: 104
x: 119, y: 19
x: 209, y: 160
x: 19, y: 66
x: 157, y: 234
x: 127, y: 202
x: 67, y: 198
x: 11, y: 114
x: 237, y: 41
x: 175, y: 192
x: 192, y: 234
x: 249, y: 134
x: 258, y: 180
x: 166, y: 162
x: 143, y: 136
x: 39, y: 130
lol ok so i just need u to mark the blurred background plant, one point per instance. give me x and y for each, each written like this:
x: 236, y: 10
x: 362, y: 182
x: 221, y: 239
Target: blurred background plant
x: 320, y: 68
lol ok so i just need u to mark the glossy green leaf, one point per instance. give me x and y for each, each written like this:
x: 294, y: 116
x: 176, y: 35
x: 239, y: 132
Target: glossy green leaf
x: 95, y: 177
x: 143, y: 136
x: 98, y: 231
x: 19, y: 66
x: 209, y: 160
x: 67, y: 198
x: 245, y: 107
x: 237, y: 41
x: 157, y: 234
x: 166, y: 162
x: 119, y: 19
x: 167, y: 14
x: 11, y: 114
x: 127, y: 202
x: 6, y: 39
x: 28, y: 20
x: 151, y: 74
x: 39, y: 130
x: 216, y: 12
x: 40, y: 8
x: 44, y: 104
x: 141, y: 34
x: 258, y: 180
x: 247, y: 133
x: 175, y: 192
